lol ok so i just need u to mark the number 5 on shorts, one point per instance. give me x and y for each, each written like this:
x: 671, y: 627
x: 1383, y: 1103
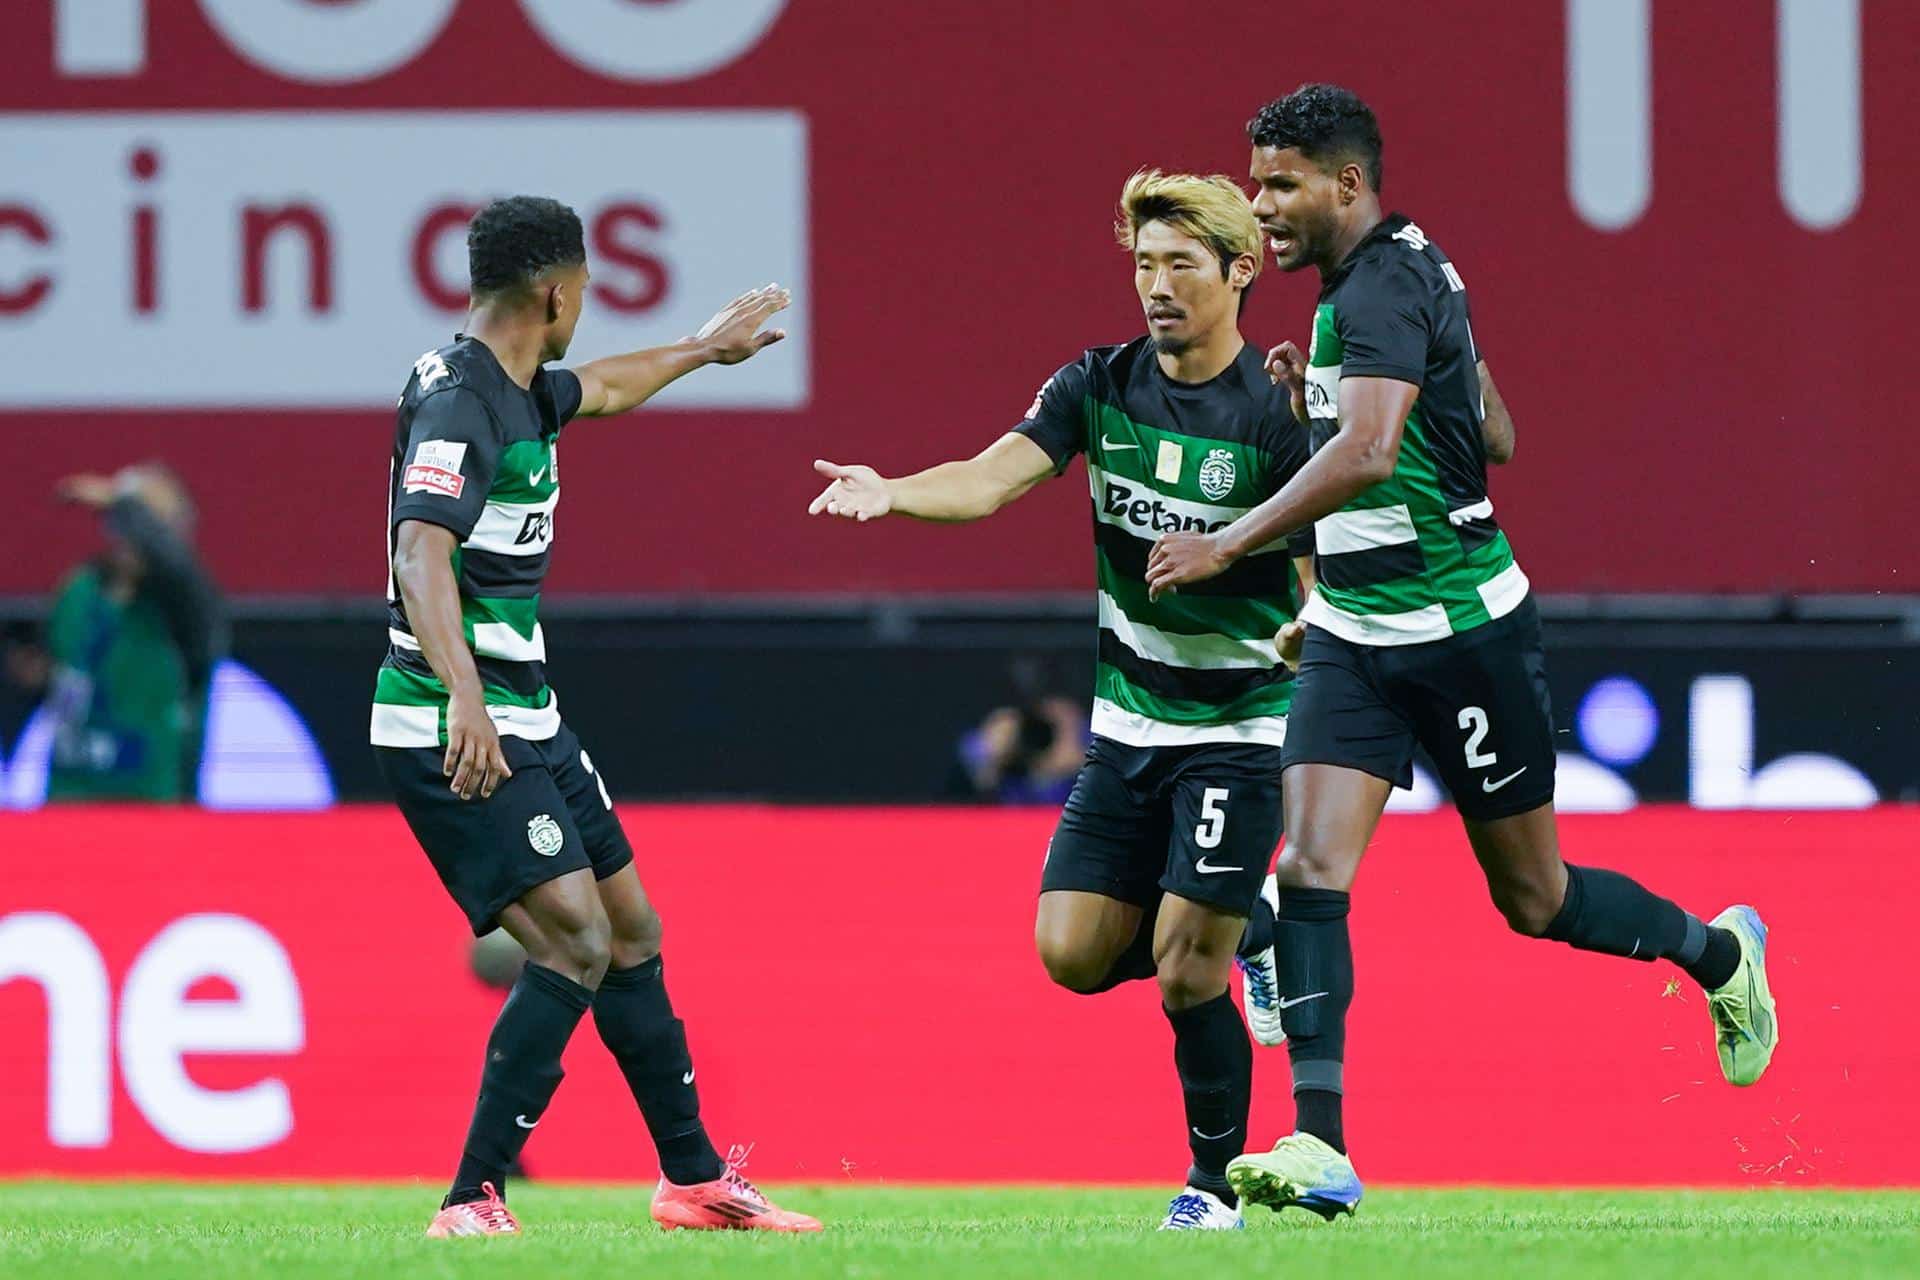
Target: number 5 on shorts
x: 1213, y: 817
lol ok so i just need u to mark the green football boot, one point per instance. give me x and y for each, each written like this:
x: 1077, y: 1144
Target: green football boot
x: 1746, y: 1029
x: 1300, y: 1170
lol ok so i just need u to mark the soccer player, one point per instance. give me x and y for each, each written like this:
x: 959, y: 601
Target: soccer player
x: 497, y: 789
x: 1420, y: 630
x: 1160, y: 854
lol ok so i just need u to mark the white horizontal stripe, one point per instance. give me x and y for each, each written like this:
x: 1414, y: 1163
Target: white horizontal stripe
x: 1503, y: 592
x: 1204, y: 652
x: 1416, y: 626
x: 498, y: 640
x: 397, y: 726
x: 1145, y: 512
x: 498, y: 528
x: 401, y: 640
x: 1121, y: 725
x: 1345, y: 531
x: 536, y: 724
x: 1475, y: 511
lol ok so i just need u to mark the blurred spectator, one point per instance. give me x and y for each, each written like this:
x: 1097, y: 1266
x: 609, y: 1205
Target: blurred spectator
x: 24, y: 671
x: 1025, y: 753
x: 134, y: 635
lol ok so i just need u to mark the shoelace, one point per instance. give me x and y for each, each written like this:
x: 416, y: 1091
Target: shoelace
x: 736, y: 1180
x: 1187, y: 1210
x: 1729, y: 1008
x: 492, y: 1213
x: 1260, y: 985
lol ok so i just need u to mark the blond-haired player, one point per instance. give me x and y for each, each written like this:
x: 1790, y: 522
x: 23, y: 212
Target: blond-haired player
x: 1157, y: 864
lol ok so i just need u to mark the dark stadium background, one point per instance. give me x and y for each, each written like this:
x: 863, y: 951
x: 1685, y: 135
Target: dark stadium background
x: 1713, y: 494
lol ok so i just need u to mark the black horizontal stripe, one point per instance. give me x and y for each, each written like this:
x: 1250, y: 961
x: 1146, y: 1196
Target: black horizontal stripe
x: 488, y: 573
x: 1215, y: 686
x: 523, y: 678
x: 1268, y: 576
x: 1352, y: 569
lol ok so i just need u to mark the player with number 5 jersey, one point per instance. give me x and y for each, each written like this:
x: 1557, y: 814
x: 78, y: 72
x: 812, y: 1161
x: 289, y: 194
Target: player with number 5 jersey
x: 1156, y: 868
x: 498, y: 791
x: 1421, y: 631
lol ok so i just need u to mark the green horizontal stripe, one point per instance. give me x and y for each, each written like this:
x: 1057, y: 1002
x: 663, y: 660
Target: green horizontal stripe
x: 1111, y: 684
x: 409, y: 689
x: 519, y: 463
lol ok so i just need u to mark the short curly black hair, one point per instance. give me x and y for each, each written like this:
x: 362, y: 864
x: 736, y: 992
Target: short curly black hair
x: 1322, y: 122
x: 511, y: 241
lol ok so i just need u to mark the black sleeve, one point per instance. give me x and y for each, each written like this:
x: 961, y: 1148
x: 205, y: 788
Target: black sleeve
x: 453, y: 449
x: 1057, y: 421
x: 176, y: 582
x: 1385, y: 319
x: 561, y: 387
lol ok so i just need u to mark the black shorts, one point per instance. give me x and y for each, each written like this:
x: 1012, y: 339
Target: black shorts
x: 1476, y: 701
x: 1200, y: 822
x: 551, y: 817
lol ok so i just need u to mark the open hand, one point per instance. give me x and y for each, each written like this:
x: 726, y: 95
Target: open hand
x: 474, y: 759
x: 1183, y: 557
x: 858, y: 493
x: 734, y: 333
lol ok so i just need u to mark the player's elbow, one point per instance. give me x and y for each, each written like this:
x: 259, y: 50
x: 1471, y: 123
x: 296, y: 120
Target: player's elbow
x: 1374, y: 459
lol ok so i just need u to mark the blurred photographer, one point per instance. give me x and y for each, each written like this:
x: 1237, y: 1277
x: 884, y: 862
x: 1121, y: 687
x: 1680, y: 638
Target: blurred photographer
x: 133, y: 635
x: 1028, y: 752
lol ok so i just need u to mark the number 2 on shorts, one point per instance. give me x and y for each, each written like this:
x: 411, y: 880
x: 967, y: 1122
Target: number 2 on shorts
x: 1213, y: 817
x: 1474, y: 720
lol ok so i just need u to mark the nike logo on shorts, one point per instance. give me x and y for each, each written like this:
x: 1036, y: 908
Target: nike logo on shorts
x: 1489, y: 786
x: 1204, y: 869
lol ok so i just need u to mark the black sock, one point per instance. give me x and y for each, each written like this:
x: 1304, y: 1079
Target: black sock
x: 1260, y: 929
x: 1314, y: 955
x: 636, y: 1022
x: 522, y: 1071
x: 1607, y: 912
x: 1215, y: 1061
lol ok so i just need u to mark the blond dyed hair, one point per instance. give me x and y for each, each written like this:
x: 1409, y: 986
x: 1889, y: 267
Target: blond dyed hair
x: 1212, y: 209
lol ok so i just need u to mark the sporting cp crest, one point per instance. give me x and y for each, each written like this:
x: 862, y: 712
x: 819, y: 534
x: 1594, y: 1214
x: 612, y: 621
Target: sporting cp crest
x: 1216, y: 473
x: 545, y: 835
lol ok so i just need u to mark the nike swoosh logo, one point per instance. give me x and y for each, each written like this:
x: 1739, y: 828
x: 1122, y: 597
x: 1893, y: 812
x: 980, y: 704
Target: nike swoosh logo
x: 687, y: 1078
x: 1205, y: 870
x: 524, y: 1123
x: 1215, y: 1137
x: 1114, y: 446
x: 535, y: 477
x: 1489, y: 786
x: 1288, y: 1004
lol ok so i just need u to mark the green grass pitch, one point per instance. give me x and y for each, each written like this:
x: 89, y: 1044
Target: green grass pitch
x: 147, y: 1231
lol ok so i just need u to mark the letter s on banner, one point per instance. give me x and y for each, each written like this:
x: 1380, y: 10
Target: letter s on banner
x: 159, y: 1026
x: 628, y: 41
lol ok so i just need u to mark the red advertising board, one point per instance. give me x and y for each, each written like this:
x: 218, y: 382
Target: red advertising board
x: 226, y: 230
x: 219, y: 995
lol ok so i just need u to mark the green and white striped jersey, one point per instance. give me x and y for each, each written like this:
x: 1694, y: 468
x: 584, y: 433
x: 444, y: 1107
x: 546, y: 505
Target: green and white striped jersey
x: 1417, y: 557
x: 1197, y: 665
x: 475, y: 453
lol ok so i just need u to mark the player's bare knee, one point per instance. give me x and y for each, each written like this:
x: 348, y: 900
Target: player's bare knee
x: 636, y: 941
x: 1189, y: 973
x: 1528, y: 908
x: 580, y: 948
x: 1070, y: 962
x: 1303, y: 865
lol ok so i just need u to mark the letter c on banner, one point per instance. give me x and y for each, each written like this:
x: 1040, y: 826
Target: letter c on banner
x: 629, y: 41
x: 329, y: 43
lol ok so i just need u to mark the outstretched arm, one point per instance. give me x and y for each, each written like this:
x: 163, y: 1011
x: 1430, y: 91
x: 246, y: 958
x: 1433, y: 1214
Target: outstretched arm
x: 952, y: 491
x: 1496, y: 431
x: 619, y: 383
x: 1361, y: 454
